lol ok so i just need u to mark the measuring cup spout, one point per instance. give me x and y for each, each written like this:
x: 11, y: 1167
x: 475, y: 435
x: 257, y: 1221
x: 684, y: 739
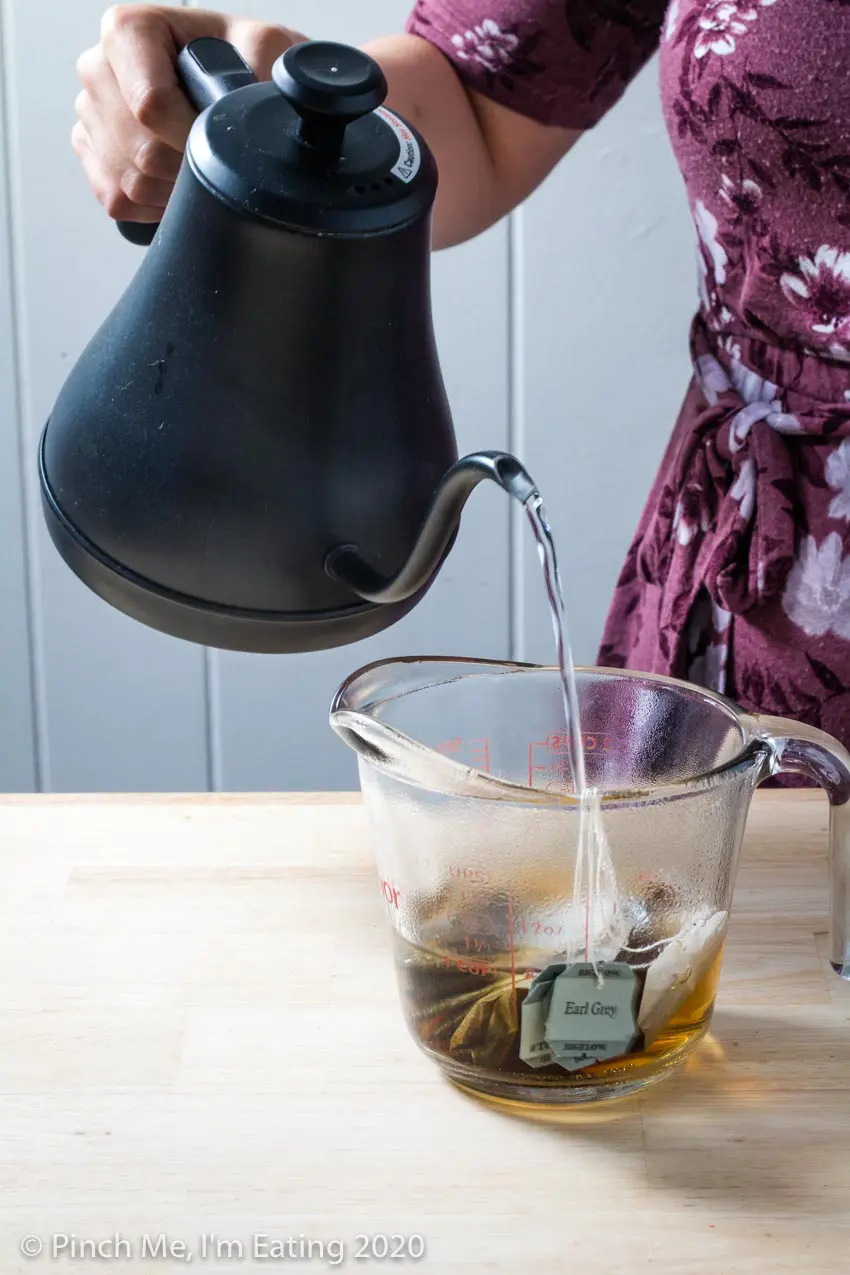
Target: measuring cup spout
x: 803, y: 750
x: 394, y: 713
x: 344, y: 563
x: 381, y: 748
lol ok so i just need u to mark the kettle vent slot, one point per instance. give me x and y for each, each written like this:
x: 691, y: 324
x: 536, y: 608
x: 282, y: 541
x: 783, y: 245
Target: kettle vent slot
x: 360, y: 189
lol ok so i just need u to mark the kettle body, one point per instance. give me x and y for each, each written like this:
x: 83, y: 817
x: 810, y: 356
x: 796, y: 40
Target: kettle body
x: 255, y: 451
x: 257, y: 397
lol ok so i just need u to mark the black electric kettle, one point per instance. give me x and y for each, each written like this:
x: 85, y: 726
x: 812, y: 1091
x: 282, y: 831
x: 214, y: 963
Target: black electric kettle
x: 255, y: 451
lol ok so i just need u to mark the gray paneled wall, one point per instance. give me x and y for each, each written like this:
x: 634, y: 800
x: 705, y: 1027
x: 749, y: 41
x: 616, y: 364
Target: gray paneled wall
x: 116, y: 706
x: 563, y: 336
x: 18, y: 768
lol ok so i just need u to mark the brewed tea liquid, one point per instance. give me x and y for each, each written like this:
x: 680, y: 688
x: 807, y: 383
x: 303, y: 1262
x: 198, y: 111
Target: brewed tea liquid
x: 466, y: 1011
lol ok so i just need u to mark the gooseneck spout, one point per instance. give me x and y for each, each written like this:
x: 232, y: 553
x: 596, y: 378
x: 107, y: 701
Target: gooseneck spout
x: 345, y: 564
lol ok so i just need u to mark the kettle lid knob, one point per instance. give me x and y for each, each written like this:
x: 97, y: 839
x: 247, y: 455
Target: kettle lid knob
x: 328, y: 86
x: 331, y: 79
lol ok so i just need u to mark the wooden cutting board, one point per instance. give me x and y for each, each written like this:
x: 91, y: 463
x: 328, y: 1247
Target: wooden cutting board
x: 199, y: 1036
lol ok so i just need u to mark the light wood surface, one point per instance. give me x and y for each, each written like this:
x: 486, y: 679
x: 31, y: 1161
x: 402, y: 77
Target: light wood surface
x: 199, y: 1034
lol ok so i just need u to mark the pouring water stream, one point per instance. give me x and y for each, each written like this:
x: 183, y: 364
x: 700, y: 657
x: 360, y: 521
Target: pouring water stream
x: 593, y: 856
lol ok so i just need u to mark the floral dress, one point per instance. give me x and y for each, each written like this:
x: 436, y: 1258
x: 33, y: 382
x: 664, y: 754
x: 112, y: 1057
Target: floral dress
x: 738, y: 577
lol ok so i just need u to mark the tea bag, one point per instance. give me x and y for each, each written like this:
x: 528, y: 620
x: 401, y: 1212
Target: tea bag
x: 577, y: 1015
x: 486, y: 1033
x: 674, y: 974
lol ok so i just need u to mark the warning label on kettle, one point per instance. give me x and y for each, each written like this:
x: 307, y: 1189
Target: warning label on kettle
x: 410, y: 157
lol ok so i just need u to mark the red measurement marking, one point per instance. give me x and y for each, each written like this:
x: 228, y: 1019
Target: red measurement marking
x: 468, y: 966
x: 475, y: 875
x: 390, y: 893
x: 591, y: 741
x: 474, y: 944
x: 555, y: 753
x: 480, y: 754
x: 532, y: 768
x: 464, y: 898
x: 545, y: 761
x: 476, y: 752
x: 539, y: 927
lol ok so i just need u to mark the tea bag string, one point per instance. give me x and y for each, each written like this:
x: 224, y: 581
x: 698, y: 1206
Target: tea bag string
x: 593, y: 861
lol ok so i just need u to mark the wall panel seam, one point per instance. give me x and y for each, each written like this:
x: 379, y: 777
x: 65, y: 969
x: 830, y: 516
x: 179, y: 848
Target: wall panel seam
x: 516, y: 433
x: 12, y: 211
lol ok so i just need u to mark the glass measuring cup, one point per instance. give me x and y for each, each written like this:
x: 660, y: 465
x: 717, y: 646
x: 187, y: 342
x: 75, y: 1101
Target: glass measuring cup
x: 465, y: 777
x: 464, y: 771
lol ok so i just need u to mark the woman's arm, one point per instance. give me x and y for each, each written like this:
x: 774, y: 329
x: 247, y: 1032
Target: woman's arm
x: 134, y: 120
x: 490, y: 158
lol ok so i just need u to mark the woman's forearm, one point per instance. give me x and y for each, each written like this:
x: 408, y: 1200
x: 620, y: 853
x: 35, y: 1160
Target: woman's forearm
x: 424, y: 89
x: 489, y: 158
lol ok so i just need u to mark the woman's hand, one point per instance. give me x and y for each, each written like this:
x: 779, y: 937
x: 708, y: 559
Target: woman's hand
x: 133, y: 117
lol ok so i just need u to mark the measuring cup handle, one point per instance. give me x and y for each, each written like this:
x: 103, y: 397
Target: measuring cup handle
x: 803, y: 750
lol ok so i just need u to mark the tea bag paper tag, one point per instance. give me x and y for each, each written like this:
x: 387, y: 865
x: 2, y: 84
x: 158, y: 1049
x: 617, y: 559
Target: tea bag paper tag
x: 589, y: 1020
x: 533, y: 1048
x: 575, y: 1015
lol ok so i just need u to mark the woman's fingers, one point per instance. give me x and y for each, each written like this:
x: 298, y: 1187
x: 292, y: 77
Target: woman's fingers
x: 139, y: 45
x: 261, y: 44
x: 110, y: 195
x: 135, y: 118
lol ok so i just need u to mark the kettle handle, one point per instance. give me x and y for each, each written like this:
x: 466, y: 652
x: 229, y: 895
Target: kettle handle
x: 345, y: 564
x: 207, y: 69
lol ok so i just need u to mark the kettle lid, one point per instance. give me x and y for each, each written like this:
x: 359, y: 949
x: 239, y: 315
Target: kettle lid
x: 315, y: 149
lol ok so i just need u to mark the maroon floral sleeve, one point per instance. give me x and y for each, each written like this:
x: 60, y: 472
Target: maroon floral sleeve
x: 562, y: 62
